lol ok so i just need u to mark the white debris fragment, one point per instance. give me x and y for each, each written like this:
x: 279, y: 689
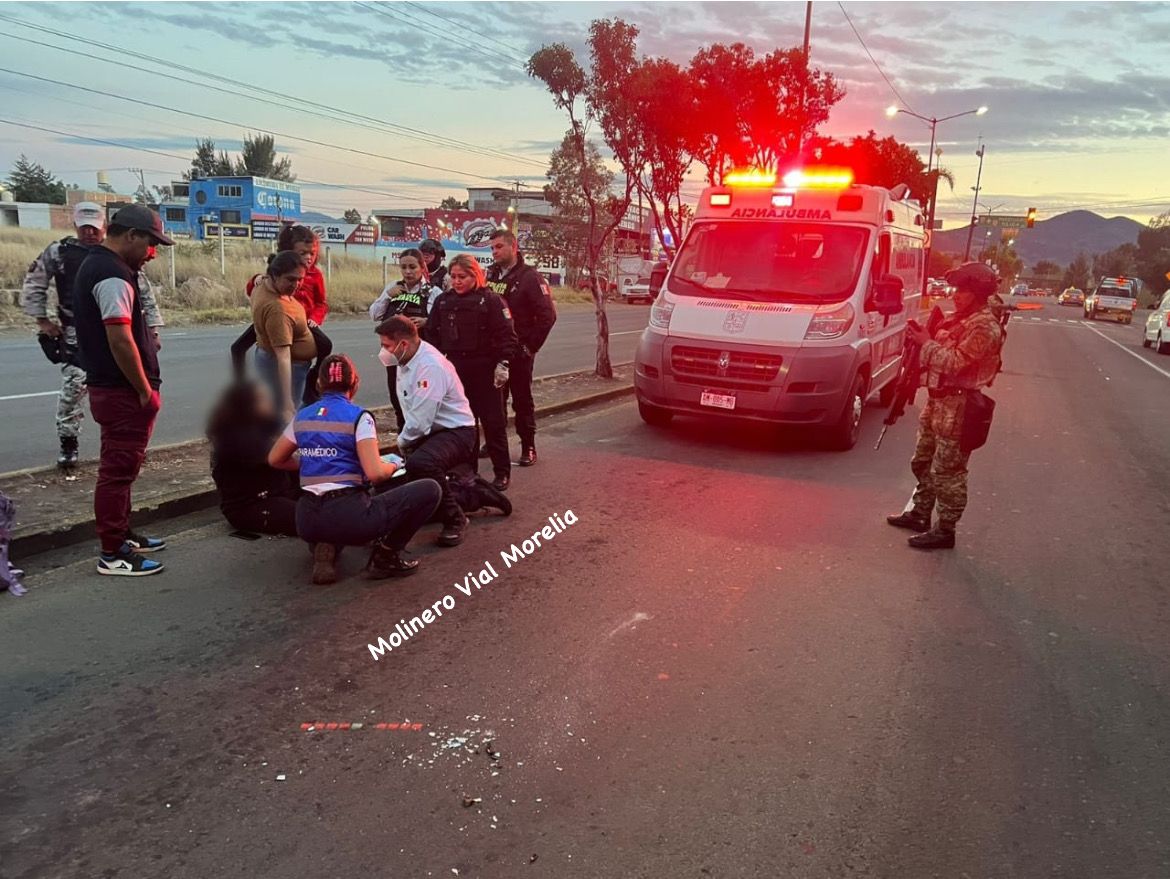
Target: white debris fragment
x: 280, y: 777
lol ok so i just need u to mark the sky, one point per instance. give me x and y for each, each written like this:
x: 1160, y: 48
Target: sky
x: 433, y: 97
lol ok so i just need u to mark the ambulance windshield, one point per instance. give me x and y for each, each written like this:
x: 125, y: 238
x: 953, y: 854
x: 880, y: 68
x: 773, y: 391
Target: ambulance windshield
x: 770, y: 261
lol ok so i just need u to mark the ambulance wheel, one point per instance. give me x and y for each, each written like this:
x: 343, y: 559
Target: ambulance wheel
x: 654, y: 416
x: 843, y: 435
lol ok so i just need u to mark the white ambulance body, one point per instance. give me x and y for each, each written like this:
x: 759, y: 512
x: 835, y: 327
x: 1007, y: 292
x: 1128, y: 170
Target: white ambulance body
x: 786, y: 303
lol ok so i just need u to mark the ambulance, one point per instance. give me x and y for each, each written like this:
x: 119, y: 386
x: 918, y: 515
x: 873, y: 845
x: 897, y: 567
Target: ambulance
x: 787, y: 302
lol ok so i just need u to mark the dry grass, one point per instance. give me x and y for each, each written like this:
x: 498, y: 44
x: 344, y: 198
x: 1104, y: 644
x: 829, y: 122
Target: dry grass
x: 203, y: 295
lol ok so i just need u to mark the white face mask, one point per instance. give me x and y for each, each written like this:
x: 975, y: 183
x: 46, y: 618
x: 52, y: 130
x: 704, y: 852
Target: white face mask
x: 388, y: 358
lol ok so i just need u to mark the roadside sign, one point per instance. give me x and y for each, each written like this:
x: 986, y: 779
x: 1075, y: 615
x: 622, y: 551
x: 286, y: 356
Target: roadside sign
x: 1003, y: 221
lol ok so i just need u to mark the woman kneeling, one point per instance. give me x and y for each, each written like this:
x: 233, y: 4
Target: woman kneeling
x: 337, y: 442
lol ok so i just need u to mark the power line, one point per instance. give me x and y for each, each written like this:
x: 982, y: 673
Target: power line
x: 242, y: 125
x: 298, y: 104
x: 432, y: 30
x: 482, y: 36
x: 871, y: 58
x: 126, y: 146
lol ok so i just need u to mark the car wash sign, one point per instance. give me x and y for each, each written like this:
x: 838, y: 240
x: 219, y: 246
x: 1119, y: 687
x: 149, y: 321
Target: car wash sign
x: 346, y: 233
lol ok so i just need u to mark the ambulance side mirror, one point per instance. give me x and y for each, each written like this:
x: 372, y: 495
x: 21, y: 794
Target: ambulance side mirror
x: 887, y: 295
x: 657, y: 279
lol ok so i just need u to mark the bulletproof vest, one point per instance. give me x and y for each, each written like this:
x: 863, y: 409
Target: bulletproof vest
x: 325, y: 439
x: 409, y: 304
x: 70, y: 255
x: 463, y: 324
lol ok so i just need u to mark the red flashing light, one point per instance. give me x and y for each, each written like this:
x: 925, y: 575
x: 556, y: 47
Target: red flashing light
x: 818, y: 178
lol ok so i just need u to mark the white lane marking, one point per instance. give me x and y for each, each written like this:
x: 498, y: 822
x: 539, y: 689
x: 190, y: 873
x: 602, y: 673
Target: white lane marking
x: 1054, y: 320
x: 1133, y: 354
x: 632, y: 621
x: 26, y: 396
x: 1035, y: 319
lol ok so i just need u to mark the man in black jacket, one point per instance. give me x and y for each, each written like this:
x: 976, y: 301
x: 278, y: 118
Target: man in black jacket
x: 533, y: 313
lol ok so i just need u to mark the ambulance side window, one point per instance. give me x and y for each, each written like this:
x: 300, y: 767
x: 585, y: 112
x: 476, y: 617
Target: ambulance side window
x: 882, y: 263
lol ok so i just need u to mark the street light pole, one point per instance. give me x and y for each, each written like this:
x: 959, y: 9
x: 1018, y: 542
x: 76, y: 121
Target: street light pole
x: 933, y: 122
x: 974, y: 203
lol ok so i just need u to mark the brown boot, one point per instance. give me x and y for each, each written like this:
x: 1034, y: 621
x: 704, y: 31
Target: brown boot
x: 324, y: 569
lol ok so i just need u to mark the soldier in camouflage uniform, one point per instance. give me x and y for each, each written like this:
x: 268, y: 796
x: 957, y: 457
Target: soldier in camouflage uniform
x: 58, y: 264
x: 964, y: 355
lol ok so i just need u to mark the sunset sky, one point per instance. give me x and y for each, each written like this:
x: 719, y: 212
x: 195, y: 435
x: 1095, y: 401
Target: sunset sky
x: 1079, y: 93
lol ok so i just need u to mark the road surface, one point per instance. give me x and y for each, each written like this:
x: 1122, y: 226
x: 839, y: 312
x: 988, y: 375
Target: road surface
x: 730, y: 666
x: 195, y: 362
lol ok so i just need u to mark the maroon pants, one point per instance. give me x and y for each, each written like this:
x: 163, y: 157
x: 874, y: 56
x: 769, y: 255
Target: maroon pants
x: 126, y: 428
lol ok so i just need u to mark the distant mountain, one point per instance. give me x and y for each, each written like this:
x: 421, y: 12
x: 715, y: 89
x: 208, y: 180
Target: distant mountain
x: 1059, y: 239
x: 316, y: 217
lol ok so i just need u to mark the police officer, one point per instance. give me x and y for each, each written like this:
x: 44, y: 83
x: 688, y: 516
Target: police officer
x: 433, y: 255
x: 338, y: 463
x: 533, y: 314
x: 964, y: 356
x: 412, y: 297
x: 473, y: 327
x: 58, y: 263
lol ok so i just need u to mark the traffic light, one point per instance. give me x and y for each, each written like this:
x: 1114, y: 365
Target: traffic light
x: 1031, y: 217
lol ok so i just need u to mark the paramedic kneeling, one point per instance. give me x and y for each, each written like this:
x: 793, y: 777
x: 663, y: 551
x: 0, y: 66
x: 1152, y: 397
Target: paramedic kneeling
x: 438, y: 433
x: 338, y: 462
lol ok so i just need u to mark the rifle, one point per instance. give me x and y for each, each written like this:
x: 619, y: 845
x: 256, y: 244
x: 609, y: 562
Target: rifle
x: 909, y: 375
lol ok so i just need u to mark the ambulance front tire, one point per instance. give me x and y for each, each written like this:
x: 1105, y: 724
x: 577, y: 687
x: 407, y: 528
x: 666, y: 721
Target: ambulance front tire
x: 843, y: 435
x: 654, y: 416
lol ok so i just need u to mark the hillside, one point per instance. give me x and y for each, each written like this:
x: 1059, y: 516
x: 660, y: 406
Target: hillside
x: 1059, y: 239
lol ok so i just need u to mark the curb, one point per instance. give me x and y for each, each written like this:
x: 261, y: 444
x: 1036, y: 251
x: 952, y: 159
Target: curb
x: 183, y: 503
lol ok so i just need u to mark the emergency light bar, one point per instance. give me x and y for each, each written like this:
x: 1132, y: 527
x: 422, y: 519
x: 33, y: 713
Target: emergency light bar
x: 750, y: 177
x: 818, y: 178
x: 720, y: 199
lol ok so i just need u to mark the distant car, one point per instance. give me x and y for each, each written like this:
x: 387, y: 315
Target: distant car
x: 1020, y: 290
x: 638, y: 292
x: 936, y: 287
x: 1158, y: 326
x: 1071, y: 296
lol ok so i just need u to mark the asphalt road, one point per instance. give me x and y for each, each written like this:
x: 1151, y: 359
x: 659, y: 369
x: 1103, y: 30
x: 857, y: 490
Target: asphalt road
x: 196, y: 363
x: 728, y: 667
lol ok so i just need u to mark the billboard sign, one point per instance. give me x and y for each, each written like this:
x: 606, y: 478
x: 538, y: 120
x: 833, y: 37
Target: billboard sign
x: 345, y: 233
x: 230, y: 230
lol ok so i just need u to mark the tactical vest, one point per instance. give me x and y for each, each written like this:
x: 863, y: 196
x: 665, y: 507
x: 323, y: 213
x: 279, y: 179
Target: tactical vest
x: 409, y: 304
x: 70, y: 255
x: 325, y: 439
x: 462, y: 328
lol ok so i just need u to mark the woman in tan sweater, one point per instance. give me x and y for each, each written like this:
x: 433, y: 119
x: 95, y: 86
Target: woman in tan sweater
x: 284, y: 344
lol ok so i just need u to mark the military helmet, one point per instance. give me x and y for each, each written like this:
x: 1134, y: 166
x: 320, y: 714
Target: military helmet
x: 974, y: 277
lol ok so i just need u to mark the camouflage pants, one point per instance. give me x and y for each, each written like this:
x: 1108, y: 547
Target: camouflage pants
x: 70, y: 411
x: 938, y: 464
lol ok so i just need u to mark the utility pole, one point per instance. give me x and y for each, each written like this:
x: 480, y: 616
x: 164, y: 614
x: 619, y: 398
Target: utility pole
x: 144, y: 196
x: 804, y: 80
x: 974, y: 201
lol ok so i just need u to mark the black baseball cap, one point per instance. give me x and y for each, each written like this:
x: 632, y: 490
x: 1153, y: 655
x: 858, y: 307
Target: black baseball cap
x: 143, y: 219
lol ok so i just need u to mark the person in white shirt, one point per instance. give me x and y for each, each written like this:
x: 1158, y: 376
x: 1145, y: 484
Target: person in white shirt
x: 438, y: 433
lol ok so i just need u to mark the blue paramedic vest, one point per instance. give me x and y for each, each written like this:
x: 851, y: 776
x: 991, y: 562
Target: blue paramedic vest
x: 325, y: 439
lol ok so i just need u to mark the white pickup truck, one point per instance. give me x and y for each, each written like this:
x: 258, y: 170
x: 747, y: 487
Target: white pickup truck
x: 1114, y: 298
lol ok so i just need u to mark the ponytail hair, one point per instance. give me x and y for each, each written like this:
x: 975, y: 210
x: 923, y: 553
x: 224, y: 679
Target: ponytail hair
x: 470, y: 265
x: 337, y: 375
x: 291, y: 236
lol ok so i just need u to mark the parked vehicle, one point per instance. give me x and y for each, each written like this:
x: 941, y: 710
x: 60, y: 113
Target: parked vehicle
x: 785, y: 303
x: 1071, y: 296
x: 1158, y: 326
x: 639, y: 291
x: 1114, y: 298
x: 1020, y: 290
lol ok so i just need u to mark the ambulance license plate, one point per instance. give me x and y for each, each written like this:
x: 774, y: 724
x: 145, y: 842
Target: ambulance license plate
x: 719, y: 401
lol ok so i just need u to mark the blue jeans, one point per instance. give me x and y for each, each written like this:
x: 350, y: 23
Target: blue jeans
x: 269, y: 372
x: 356, y: 518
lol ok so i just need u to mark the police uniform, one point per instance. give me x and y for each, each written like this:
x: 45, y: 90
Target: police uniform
x: 58, y: 264
x: 413, y: 302
x: 335, y: 506
x: 475, y: 332
x: 533, y: 313
x: 963, y: 356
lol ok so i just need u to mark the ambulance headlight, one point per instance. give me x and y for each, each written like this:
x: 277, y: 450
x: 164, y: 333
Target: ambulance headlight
x: 830, y: 322
x: 660, y: 312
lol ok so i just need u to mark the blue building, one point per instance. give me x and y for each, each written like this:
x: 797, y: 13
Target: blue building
x: 248, y: 207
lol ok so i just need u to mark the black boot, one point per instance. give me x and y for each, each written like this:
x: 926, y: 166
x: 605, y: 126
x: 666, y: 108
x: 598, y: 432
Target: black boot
x: 453, y: 532
x: 490, y: 497
x: 914, y: 521
x: 385, y: 562
x: 528, y: 456
x: 942, y: 537
x: 67, y: 460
